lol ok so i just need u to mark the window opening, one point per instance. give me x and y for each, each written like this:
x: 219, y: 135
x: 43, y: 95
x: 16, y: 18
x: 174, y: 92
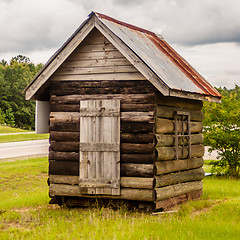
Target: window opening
x: 182, y: 133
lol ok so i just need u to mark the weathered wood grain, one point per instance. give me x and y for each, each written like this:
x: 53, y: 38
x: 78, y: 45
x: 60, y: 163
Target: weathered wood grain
x: 126, y: 182
x: 125, y: 98
x: 179, y: 177
x: 168, y: 126
x: 137, y: 158
x: 137, y: 148
x: 169, y: 112
x: 164, y: 167
x: 63, y: 156
x: 169, y: 153
x: 169, y: 140
x: 137, y: 170
x: 64, y: 168
x: 167, y: 204
x: 177, y: 189
x: 126, y: 193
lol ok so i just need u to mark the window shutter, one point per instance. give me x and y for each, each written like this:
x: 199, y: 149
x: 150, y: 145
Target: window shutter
x: 99, y: 147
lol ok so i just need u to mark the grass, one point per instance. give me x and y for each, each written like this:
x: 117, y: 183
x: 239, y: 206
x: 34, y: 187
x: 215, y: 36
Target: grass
x: 23, y: 137
x: 19, y: 137
x: 26, y: 214
x: 6, y: 129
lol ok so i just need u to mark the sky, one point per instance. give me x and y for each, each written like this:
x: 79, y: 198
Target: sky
x: 205, y: 32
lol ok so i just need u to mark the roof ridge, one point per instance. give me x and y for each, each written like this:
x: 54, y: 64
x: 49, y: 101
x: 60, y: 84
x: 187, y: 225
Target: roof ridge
x: 103, y: 16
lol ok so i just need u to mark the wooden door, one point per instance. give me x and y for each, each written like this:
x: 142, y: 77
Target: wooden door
x: 99, y: 147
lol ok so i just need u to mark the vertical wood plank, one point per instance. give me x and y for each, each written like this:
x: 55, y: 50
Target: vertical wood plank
x: 115, y: 136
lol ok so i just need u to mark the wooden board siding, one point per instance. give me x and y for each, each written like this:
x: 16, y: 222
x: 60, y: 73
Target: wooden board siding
x: 96, y: 60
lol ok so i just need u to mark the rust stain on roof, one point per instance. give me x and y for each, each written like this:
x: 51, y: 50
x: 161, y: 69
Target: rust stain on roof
x: 172, y: 55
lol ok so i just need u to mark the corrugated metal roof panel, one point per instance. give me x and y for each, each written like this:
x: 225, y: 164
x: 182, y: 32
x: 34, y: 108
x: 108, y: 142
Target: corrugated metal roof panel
x: 159, y: 57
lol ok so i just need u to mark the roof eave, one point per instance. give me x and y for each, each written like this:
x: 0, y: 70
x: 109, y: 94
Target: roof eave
x: 195, y: 96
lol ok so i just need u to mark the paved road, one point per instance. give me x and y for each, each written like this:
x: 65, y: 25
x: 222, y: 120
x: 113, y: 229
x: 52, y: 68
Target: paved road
x: 24, y: 148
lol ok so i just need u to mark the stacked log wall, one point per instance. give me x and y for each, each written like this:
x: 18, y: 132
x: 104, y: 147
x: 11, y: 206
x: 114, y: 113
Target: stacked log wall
x: 177, y: 180
x: 96, y: 70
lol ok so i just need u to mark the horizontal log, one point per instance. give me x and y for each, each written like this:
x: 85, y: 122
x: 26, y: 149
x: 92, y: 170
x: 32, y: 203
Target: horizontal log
x: 164, y: 167
x: 125, y: 98
x: 97, y: 90
x: 127, y: 169
x: 167, y: 204
x: 137, y: 182
x: 124, y: 107
x: 64, y: 168
x: 66, y: 136
x: 61, y: 146
x: 63, y: 156
x: 168, y: 126
x: 126, y: 193
x: 137, y: 170
x: 64, y: 127
x: 64, y: 146
x: 126, y: 182
x: 126, y: 127
x: 169, y: 153
x: 66, y: 117
x: 125, y: 137
x: 177, y: 189
x: 136, y: 148
x: 130, y: 127
x: 74, y: 117
x: 137, y: 158
x: 125, y: 158
x: 137, y: 137
x: 169, y: 139
x: 179, y: 177
x: 169, y: 112
x: 65, y: 107
x: 100, y: 84
x: 137, y: 116
x: 179, y: 102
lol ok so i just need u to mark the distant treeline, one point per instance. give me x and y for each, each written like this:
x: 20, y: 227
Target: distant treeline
x: 14, y: 77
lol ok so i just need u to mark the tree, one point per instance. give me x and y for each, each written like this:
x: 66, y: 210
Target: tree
x: 222, y: 131
x: 14, y: 77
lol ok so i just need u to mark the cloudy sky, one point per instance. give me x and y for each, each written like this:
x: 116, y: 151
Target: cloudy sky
x: 205, y: 32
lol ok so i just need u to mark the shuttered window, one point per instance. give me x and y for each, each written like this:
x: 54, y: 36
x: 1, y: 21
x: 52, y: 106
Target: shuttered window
x: 99, y: 147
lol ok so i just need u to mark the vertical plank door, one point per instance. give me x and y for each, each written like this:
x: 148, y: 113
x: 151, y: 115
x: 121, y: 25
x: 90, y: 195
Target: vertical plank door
x: 99, y: 171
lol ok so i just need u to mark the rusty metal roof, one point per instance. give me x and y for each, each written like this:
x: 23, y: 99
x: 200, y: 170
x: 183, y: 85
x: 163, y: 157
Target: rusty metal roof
x: 163, y: 60
x: 156, y: 60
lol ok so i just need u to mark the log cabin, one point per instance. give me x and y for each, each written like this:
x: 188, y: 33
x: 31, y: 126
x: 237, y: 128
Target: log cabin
x: 123, y: 109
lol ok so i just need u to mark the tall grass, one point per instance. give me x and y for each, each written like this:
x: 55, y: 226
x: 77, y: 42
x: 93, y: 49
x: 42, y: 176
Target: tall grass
x: 26, y: 214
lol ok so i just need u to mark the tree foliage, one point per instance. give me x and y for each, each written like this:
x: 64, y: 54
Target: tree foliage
x: 14, y: 78
x: 222, y: 131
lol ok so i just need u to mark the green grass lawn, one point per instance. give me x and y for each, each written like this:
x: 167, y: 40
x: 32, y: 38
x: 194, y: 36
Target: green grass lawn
x: 19, y: 137
x: 23, y: 137
x: 26, y: 214
x: 6, y: 129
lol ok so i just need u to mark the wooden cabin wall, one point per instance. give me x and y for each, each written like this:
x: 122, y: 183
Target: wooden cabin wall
x: 96, y: 70
x: 177, y: 180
